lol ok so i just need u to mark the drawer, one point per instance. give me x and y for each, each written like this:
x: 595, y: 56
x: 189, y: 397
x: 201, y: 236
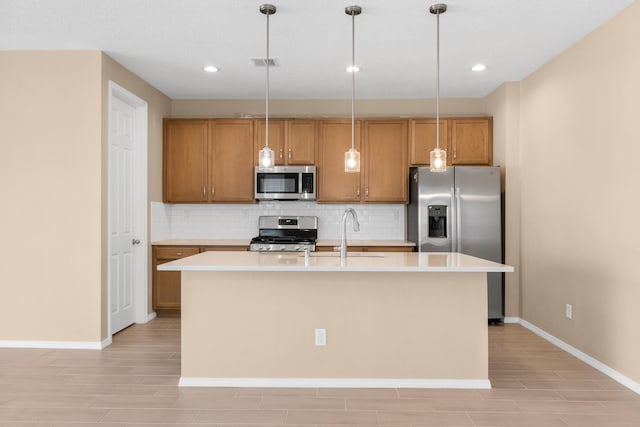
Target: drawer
x: 165, y: 252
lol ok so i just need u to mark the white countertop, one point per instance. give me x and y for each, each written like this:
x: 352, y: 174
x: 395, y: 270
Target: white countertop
x: 353, y: 242
x: 245, y: 242
x: 330, y: 261
x: 202, y: 242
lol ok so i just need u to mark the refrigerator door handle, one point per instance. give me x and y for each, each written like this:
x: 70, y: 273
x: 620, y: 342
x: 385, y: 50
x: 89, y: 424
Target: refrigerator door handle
x: 453, y: 228
x: 458, y: 221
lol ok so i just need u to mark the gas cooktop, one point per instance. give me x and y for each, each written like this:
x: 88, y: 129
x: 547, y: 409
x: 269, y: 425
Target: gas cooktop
x: 286, y: 233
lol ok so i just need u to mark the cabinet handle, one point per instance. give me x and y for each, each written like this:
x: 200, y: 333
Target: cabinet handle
x: 204, y: 192
x: 366, y: 192
x: 178, y: 253
x: 358, y: 191
x: 289, y: 153
x: 455, y: 154
x: 281, y: 154
x: 213, y: 190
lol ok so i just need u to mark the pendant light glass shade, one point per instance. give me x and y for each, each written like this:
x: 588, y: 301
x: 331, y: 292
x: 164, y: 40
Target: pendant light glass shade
x: 352, y: 156
x: 352, y: 160
x: 438, y: 157
x: 266, y: 158
x: 438, y: 160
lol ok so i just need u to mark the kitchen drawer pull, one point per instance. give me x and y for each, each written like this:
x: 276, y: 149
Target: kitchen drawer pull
x: 213, y: 190
x: 366, y: 192
x: 289, y: 153
x: 178, y: 253
x: 281, y: 154
x: 358, y: 191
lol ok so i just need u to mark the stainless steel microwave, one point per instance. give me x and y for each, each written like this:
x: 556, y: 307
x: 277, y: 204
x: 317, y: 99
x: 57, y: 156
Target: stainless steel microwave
x: 285, y: 183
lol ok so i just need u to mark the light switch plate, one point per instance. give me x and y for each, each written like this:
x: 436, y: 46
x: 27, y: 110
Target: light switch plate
x: 321, y: 337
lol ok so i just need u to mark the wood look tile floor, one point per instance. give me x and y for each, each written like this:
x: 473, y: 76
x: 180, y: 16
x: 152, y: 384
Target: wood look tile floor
x: 133, y: 382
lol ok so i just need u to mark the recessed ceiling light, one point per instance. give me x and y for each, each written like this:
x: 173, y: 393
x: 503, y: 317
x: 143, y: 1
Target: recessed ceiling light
x: 479, y: 67
x: 211, y: 69
x: 353, y: 69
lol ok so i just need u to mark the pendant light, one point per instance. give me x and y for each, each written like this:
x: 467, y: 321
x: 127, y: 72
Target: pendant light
x: 352, y: 156
x: 438, y: 157
x: 265, y: 156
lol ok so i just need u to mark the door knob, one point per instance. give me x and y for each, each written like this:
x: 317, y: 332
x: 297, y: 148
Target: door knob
x: 135, y: 242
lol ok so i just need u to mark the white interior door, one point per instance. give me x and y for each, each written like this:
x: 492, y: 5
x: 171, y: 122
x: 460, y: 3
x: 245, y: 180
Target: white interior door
x: 126, y: 251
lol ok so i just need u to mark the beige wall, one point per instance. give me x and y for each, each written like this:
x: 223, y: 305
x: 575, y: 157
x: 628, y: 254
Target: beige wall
x: 50, y: 180
x: 504, y: 105
x: 158, y: 107
x: 326, y: 108
x: 53, y: 181
x: 578, y: 145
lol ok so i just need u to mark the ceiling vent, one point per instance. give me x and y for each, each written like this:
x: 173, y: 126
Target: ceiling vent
x: 262, y: 62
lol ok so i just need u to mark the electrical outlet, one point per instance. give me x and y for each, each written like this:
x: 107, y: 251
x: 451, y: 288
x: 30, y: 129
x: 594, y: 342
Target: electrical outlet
x: 321, y: 337
x: 568, y: 311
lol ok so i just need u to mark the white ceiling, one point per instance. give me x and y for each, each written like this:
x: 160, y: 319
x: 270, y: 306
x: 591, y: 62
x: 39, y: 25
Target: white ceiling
x: 167, y: 42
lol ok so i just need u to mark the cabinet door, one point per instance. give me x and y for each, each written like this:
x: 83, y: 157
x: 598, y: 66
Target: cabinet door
x: 185, y: 161
x: 422, y: 140
x: 385, y: 165
x: 334, y: 184
x: 276, y: 139
x: 301, y: 142
x: 232, y: 161
x: 166, y: 284
x: 471, y: 142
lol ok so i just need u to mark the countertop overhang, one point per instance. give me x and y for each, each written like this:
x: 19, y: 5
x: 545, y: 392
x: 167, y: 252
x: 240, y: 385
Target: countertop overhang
x: 246, y: 242
x: 403, y: 262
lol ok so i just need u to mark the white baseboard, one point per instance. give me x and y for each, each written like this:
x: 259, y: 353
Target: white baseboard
x: 105, y: 343
x: 63, y: 345
x: 333, y: 383
x: 151, y: 316
x: 594, y: 363
x: 511, y: 320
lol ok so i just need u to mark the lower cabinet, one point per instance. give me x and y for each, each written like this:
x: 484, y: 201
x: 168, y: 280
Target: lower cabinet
x: 165, y: 285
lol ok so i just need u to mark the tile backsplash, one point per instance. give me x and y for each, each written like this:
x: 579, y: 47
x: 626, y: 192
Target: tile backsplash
x: 226, y: 221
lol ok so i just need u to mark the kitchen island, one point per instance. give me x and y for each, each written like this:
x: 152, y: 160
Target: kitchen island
x: 253, y: 319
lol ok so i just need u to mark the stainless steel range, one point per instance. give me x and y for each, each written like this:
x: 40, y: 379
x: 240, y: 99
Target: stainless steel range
x: 286, y: 233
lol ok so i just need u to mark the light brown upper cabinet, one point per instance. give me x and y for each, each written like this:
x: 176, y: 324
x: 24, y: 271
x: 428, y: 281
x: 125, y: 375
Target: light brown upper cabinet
x: 334, y: 184
x: 383, y: 162
x: 471, y: 141
x: 468, y: 141
x: 422, y: 140
x: 185, y: 177
x: 293, y: 141
x: 208, y: 161
x: 231, y: 160
x: 385, y: 172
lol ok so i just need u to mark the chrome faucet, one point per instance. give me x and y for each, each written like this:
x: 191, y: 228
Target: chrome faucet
x: 343, y: 228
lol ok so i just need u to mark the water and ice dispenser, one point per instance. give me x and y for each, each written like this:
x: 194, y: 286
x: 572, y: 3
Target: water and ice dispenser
x: 437, y: 221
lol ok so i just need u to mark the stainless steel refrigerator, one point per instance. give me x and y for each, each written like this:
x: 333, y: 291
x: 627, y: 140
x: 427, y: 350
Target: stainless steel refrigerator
x: 460, y: 210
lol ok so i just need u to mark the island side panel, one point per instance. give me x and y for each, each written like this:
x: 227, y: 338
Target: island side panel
x: 379, y: 325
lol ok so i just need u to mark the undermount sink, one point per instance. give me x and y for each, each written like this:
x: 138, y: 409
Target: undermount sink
x: 349, y: 255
